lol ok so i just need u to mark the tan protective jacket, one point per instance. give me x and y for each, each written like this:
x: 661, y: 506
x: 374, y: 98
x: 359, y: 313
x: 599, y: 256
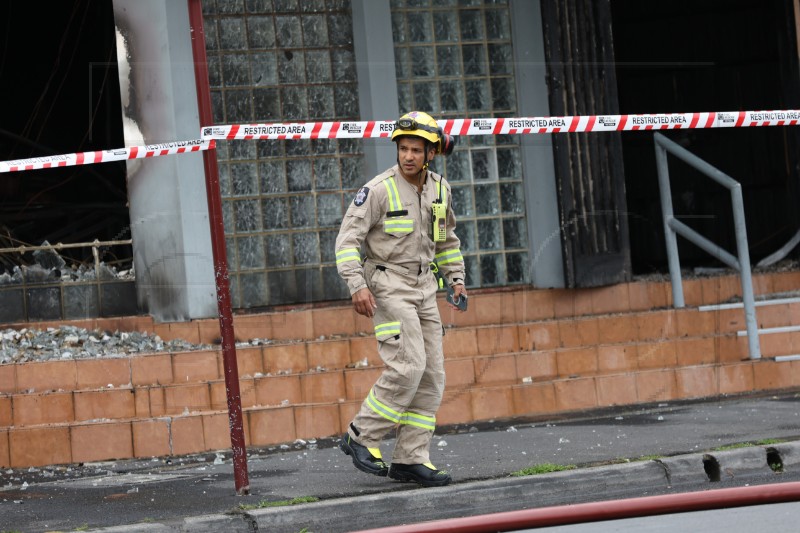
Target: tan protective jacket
x: 393, y: 222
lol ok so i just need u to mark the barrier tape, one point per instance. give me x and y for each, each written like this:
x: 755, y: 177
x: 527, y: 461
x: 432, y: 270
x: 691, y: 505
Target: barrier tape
x: 106, y: 156
x: 384, y: 128
x: 509, y: 126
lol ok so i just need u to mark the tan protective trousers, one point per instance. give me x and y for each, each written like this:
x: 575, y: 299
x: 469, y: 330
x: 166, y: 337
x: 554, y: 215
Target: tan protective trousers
x: 408, y: 392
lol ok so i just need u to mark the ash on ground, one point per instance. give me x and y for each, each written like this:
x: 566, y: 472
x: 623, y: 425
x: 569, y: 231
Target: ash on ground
x: 71, y: 342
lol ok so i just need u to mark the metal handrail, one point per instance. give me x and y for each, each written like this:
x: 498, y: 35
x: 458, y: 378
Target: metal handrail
x: 672, y: 226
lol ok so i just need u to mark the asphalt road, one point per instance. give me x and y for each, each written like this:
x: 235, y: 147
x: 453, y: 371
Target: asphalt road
x: 195, y: 492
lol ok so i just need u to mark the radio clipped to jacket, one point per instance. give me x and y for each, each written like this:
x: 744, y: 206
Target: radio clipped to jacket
x: 439, y: 222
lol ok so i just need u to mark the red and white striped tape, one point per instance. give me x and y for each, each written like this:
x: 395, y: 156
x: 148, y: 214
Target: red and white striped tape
x: 105, y: 156
x: 384, y: 128
x: 509, y: 126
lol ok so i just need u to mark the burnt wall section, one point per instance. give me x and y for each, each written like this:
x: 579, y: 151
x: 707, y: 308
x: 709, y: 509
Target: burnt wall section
x: 60, y: 301
x: 590, y: 177
x: 168, y: 205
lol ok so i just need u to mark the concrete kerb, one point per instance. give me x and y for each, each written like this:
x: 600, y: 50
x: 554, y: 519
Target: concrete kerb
x: 719, y: 465
x: 232, y: 523
x: 482, y: 497
x: 788, y: 453
x: 466, y: 499
x: 729, y: 463
x: 138, y: 528
x: 684, y: 469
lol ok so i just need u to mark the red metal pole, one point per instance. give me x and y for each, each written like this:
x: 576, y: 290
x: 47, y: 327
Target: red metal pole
x: 608, y: 510
x: 220, y: 255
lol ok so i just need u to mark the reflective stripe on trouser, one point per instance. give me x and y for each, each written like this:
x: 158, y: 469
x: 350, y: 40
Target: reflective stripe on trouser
x: 408, y: 392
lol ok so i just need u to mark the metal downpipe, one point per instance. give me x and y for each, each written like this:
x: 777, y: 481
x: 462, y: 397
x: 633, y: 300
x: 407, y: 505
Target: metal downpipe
x: 219, y: 252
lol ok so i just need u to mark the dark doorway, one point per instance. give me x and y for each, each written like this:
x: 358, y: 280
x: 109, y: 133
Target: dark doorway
x: 589, y: 172
x: 709, y: 55
x: 60, y: 92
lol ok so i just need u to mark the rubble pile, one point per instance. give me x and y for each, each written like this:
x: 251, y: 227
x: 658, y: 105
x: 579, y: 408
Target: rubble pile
x: 71, y: 342
x: 39, y: 274
x: 50, y: 267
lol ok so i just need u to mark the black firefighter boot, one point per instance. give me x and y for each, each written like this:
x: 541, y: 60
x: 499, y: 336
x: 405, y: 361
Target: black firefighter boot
x: 367, y: 460
x: 426, y: 474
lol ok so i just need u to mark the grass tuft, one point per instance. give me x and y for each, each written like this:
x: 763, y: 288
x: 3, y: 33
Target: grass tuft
x: 544, y: 468
x: 280, y: 503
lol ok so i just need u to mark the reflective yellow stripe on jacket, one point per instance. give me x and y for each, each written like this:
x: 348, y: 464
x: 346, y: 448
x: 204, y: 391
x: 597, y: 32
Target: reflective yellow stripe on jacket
x: 394, y: 195
x: 449, y: 256
x: 348, y: 254
x: 396, y: 225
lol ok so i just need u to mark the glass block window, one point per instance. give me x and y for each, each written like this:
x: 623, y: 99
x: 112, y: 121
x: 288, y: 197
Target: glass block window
x: 453, y: 59
x: 283, y: 201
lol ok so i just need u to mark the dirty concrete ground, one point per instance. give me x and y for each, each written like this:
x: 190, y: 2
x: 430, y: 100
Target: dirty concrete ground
x: 168, y: 490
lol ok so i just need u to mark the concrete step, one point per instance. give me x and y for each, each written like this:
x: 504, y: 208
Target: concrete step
x: 207, y: 429
x: 517, y: 353
x: 344, y: 368
x: 340, y: 352
x: 201, y: 386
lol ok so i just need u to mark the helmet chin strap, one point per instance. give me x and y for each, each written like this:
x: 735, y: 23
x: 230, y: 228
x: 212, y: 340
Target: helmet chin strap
x: 425, y: 163
x: 422, y: 172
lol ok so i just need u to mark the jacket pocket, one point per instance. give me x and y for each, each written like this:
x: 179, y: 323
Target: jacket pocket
x: 398, y: 227
x: 390, y: 340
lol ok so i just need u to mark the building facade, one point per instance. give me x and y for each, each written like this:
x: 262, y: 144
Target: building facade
x: 340, y: 60
x: 557, y: 210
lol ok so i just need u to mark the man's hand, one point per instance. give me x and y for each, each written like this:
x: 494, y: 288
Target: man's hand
x: 458, y: 291
x: 364, y: 303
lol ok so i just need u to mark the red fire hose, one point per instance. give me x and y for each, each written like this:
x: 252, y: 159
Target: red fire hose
x: 608, y: 510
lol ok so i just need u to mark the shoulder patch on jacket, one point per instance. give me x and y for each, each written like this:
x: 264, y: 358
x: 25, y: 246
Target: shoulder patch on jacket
x: 361, y: 196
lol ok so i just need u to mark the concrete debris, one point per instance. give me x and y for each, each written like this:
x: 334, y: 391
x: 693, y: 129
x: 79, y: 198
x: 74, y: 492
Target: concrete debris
x: 253, y: 342
x: 50, y: 267
x: 49, y: 259
x: 39, y: 274
x: 71, y: 342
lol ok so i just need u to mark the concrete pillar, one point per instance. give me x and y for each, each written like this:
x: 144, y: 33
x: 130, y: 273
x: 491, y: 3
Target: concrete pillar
x: 168, y: 207
x: 377, y: 82
x: 541, y: 199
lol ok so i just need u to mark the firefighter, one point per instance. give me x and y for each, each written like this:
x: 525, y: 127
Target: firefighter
x: 404, y: 222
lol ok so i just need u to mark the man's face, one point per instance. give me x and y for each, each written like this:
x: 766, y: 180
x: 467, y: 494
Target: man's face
x: 411, y: 156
